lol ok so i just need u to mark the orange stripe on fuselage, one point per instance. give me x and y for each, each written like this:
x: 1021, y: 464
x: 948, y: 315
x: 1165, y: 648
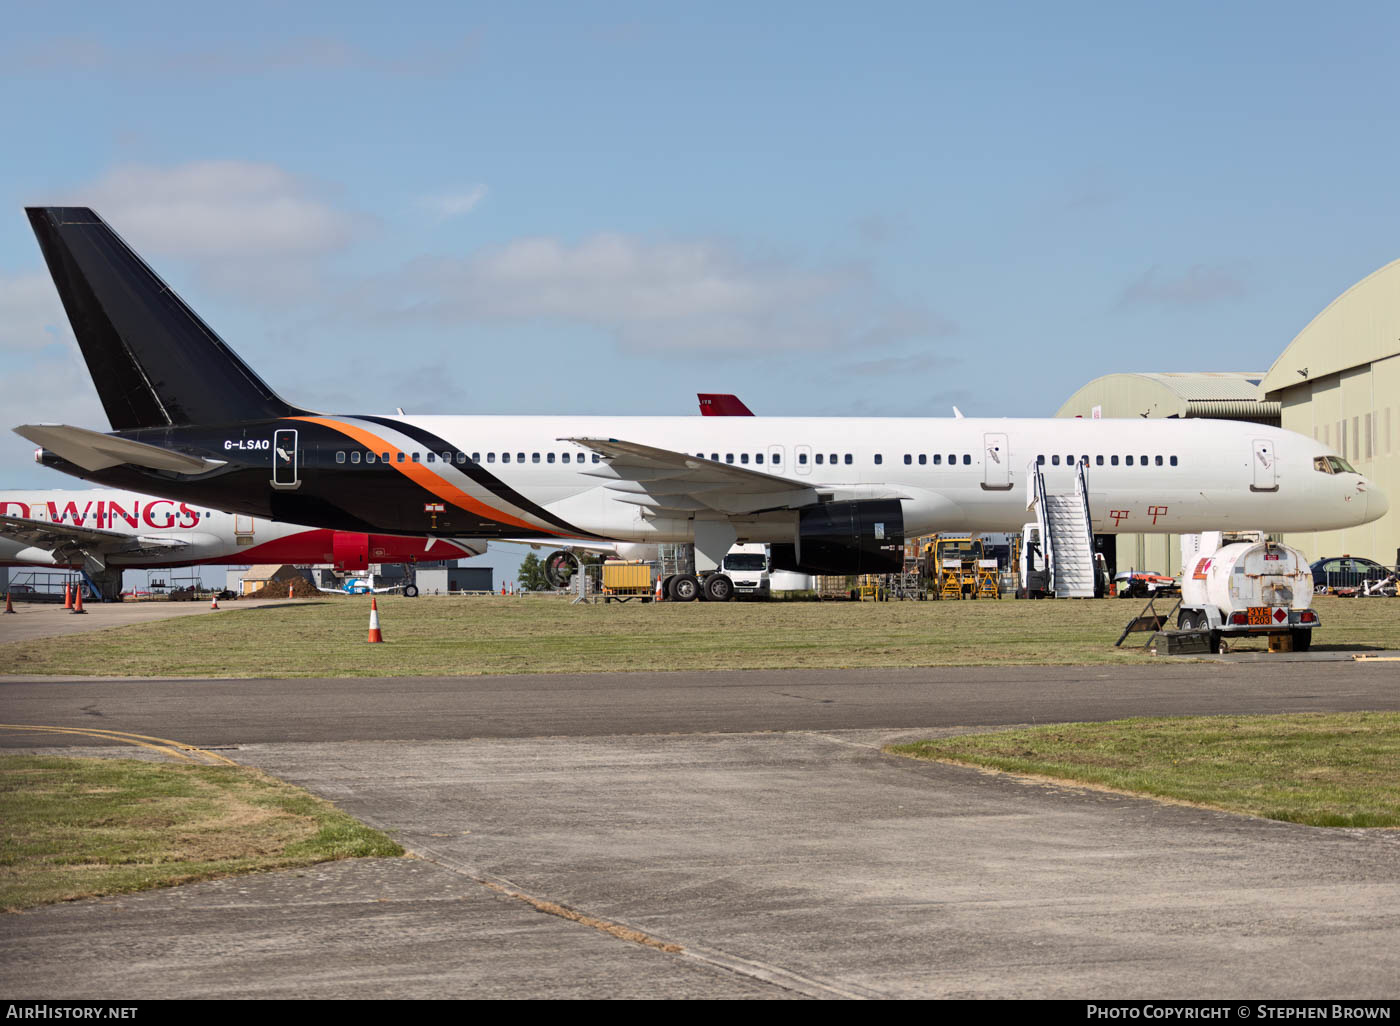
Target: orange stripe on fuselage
x: 422, y: 476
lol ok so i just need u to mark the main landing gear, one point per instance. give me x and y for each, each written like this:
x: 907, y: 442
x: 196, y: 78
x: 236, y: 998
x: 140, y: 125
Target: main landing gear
x: 714, y: 587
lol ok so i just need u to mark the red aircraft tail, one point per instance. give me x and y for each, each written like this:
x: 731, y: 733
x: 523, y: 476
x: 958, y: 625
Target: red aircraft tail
x: 715, y: 404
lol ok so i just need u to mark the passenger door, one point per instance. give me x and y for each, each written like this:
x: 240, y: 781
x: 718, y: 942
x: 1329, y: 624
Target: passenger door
x: 1265, y: 467
x: 996, y: 463
x: 285, y: 465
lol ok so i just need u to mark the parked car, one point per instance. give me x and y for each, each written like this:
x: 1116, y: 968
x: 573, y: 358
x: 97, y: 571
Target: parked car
x: 1344, y: 572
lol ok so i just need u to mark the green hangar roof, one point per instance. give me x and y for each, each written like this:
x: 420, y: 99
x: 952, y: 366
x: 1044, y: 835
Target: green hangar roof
x: 1222, y: 395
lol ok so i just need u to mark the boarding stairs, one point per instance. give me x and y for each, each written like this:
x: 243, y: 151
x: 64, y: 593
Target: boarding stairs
x: 1066, y: 532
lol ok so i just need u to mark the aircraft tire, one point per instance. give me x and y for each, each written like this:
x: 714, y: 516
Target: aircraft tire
x: 411, y: 591
x: 686, y: 588
x: 718, y: 588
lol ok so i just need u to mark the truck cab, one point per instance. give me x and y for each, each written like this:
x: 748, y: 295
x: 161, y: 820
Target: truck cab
x: 747, y: 567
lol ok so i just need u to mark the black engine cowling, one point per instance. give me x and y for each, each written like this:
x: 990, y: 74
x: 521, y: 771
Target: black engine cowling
x: 864, y: 537
x: 560, y: 567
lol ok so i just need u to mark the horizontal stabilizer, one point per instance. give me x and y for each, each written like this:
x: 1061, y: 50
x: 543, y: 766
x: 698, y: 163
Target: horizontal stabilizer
x: 58, y: 536
x: 92, y: 450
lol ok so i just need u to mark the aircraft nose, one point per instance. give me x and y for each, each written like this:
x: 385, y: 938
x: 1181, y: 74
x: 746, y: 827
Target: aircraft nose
x: 1377, y: 505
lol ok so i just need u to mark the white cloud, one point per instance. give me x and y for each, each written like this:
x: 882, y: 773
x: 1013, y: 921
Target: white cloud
x: 217, y: 209
x: 247, y: 228
x: 455, y: 203
x: 315, y: 55
x: 1197, y: 286
x: 31, y: 316
x: 659, y: 296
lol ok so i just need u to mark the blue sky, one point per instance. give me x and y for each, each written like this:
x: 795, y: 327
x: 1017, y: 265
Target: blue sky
x: 603, y: 208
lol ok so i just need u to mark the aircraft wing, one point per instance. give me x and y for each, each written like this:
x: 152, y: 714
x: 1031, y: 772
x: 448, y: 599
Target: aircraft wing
x: 664, y: 479
x: 92, y: 450
x: 68, y: 539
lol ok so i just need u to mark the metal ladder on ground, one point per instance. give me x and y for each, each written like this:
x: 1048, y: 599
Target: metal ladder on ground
x: 1066, y: 533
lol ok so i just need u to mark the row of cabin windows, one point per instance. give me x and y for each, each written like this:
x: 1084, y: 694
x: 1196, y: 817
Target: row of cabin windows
x: 775, y: 459
x: 743, y: 458
x: 461, y: 457
x: 1143, y: 461
x: 936, y: 459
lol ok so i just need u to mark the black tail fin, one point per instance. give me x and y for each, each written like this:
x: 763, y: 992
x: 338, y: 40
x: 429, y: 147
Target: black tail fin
x: 153, y: 360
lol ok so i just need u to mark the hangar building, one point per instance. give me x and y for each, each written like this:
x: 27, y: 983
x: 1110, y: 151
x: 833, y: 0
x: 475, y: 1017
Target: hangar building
x: 1338, y: 381
x: 1222, y: 395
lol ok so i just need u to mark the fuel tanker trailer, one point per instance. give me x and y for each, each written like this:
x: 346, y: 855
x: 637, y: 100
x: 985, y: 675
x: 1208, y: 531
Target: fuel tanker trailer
x: 1243, y: 584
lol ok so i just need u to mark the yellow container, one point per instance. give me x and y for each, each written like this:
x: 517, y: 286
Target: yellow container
x: 627, y: 578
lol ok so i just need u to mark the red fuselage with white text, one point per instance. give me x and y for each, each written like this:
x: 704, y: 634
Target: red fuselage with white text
x: 192, y: 534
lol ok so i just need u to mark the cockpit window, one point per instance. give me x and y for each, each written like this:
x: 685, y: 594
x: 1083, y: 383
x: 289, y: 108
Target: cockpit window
x: 1332, y: 465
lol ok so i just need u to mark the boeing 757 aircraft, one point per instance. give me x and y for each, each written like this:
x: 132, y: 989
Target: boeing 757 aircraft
x: 192, y: 421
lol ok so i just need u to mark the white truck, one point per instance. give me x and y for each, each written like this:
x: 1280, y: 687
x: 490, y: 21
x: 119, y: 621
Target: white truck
x: 747, y: 568
x: 1242, y: 584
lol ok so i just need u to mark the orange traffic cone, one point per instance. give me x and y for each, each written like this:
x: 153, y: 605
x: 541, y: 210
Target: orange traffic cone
x: 660, y: 593
x: 289, y: 590
x: 9, y: 606
x: 78, y: 604
x: 374, y: 635
x: 214, y: 601
x: 67, y: 596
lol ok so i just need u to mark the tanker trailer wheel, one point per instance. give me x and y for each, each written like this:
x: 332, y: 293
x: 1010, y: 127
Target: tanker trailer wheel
x: 1186, y: 621
x: 1302, y: 639
x: 1218, y: 643
x: 685, y: 588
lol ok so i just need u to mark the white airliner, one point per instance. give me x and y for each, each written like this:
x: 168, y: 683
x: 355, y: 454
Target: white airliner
x: 361, y: 586
x: 193, y: 421
x: 105, y: 531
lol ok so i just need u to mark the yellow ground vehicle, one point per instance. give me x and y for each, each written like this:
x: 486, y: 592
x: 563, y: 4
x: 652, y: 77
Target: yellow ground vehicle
x: 951, y: 564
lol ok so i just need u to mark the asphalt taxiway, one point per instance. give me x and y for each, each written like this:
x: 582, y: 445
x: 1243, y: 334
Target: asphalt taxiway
x: 51, y: 620
x: 726, y: 834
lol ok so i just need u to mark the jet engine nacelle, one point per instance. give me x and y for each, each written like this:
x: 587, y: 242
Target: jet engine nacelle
x: 864, y: 537
x: 350, y: 551
x: 560, y: 567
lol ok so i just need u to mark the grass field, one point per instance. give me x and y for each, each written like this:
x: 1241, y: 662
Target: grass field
x: 1319, y: 769
x: 449, y: 636
x: 74, y: 828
